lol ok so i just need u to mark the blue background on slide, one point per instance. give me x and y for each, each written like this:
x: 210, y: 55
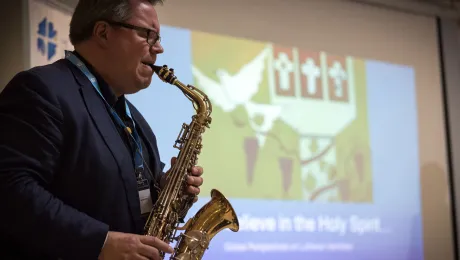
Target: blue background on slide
x: 392, y: 115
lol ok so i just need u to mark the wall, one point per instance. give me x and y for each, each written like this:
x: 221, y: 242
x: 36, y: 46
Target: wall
x: 450, y: 44
x: 14, y: 38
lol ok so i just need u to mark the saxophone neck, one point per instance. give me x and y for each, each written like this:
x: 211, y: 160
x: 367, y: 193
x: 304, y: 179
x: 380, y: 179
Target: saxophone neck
x: 201, y: 102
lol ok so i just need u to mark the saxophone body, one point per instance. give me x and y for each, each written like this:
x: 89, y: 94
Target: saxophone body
x: 173, y: 202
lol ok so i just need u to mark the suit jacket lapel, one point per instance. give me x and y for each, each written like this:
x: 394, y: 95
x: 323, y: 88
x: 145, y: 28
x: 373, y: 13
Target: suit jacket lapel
x: 148, y: 137
x: 107, y: 129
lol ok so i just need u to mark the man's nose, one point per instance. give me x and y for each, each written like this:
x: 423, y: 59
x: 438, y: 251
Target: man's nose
x: 157, y: 48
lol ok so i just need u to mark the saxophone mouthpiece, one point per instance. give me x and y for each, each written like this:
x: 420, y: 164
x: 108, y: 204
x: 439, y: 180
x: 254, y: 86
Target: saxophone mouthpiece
x: 155, y: 68
x: 164, y: 73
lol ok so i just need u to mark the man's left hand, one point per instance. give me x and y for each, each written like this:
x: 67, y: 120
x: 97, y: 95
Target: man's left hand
x: 194, y: 180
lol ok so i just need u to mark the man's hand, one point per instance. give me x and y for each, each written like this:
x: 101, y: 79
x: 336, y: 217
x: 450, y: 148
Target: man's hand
x: 129, y: 246
x: 194, y: 180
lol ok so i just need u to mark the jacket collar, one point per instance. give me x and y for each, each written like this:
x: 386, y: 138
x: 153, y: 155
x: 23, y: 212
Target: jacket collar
x: 97, y: 110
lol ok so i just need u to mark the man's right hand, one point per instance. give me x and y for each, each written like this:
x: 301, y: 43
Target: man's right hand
x: 129, y: 246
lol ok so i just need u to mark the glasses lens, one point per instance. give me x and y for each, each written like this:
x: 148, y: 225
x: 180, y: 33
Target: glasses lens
x: 153, y: 38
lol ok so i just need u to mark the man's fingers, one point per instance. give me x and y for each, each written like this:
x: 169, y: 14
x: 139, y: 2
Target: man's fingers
x: 193, y: 190
x: 195, y: 181
x: 142, y: 257
x: 173, y: 160
x: 197, y: 171
x: 148, y: 252
x: 157, y: 243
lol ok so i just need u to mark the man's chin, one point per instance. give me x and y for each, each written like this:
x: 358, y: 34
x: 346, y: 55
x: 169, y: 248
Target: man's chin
x: 137, y: 88
x: 144, y: 81
x: 144, y: 84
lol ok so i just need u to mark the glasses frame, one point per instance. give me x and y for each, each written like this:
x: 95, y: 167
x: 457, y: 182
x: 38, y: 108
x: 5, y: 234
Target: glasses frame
x: 156, y: 37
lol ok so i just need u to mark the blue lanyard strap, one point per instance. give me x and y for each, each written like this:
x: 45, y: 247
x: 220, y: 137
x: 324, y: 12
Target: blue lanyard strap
x: 137, y: 151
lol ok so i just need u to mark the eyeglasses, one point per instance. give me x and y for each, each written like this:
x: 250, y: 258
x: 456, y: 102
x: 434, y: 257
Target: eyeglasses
x: 152, y: 36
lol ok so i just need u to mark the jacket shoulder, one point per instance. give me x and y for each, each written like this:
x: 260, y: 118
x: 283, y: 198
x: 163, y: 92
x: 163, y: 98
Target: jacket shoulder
x: 53, y: 78
x: 52, y: 72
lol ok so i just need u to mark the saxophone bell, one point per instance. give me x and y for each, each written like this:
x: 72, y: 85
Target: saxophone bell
x: 213, y: 217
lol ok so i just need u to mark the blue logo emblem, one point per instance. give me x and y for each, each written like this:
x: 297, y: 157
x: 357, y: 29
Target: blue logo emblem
x: 46, y: 41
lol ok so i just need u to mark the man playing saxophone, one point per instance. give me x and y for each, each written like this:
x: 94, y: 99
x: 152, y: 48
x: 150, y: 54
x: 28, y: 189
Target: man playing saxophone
x: 78, y: 163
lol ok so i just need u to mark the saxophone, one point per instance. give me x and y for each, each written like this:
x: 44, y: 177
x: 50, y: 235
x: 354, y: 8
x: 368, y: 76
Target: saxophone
x: 173, y: 202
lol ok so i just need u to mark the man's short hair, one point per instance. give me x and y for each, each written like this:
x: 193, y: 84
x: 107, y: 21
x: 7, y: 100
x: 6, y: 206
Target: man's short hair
x: 88, y: 12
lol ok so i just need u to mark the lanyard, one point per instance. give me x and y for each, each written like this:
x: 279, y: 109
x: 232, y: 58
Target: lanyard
x: 137, y: 151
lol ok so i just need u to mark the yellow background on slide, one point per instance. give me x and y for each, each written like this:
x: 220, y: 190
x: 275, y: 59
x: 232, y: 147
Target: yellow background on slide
x: 224, y: 157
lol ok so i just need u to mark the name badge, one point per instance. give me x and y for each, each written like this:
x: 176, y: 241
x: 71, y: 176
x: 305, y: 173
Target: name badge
x: 142, y: 183
x: 145, y: 200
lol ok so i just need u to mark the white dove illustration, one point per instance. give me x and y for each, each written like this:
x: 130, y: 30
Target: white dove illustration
x: 233, y: 90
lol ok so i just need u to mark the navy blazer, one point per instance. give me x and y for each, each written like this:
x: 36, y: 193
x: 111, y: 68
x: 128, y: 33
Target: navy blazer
x: 66, y: 177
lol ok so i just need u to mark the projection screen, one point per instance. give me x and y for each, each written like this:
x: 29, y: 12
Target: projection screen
x: 328, y: 131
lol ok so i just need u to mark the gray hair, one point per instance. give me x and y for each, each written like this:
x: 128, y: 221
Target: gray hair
x: 88, y: 12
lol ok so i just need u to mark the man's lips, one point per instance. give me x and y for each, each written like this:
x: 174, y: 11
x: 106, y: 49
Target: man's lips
x: 147, y: 63
x: 148, y: 66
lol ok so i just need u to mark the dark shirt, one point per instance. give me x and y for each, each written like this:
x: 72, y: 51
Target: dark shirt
x: 118, y: 104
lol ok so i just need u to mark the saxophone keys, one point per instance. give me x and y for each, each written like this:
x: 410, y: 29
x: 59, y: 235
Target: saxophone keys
x: 181, y: 136
x: 196, y: 240
x: 185, y: 226
x: 178, y: 144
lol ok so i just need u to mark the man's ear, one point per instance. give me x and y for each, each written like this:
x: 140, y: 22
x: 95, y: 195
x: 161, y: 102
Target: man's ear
x: 101, y: 32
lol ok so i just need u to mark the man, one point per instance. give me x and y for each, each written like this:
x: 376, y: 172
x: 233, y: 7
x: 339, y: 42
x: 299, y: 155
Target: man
x: 76, y: 158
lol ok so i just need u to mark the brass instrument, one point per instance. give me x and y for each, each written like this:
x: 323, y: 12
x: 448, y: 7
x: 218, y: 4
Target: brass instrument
x: 173, y: 202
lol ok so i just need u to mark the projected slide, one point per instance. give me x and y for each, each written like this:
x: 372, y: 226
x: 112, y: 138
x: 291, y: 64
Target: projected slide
x: 316, y: 151
x: 289, y: 124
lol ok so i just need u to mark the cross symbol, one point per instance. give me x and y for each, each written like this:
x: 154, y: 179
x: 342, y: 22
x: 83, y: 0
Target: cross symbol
x: 284, y: 67
x: 338, y: 74
x: 312, y: 72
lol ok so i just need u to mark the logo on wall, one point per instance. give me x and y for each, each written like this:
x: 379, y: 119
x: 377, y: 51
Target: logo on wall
x: 46, y: 39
